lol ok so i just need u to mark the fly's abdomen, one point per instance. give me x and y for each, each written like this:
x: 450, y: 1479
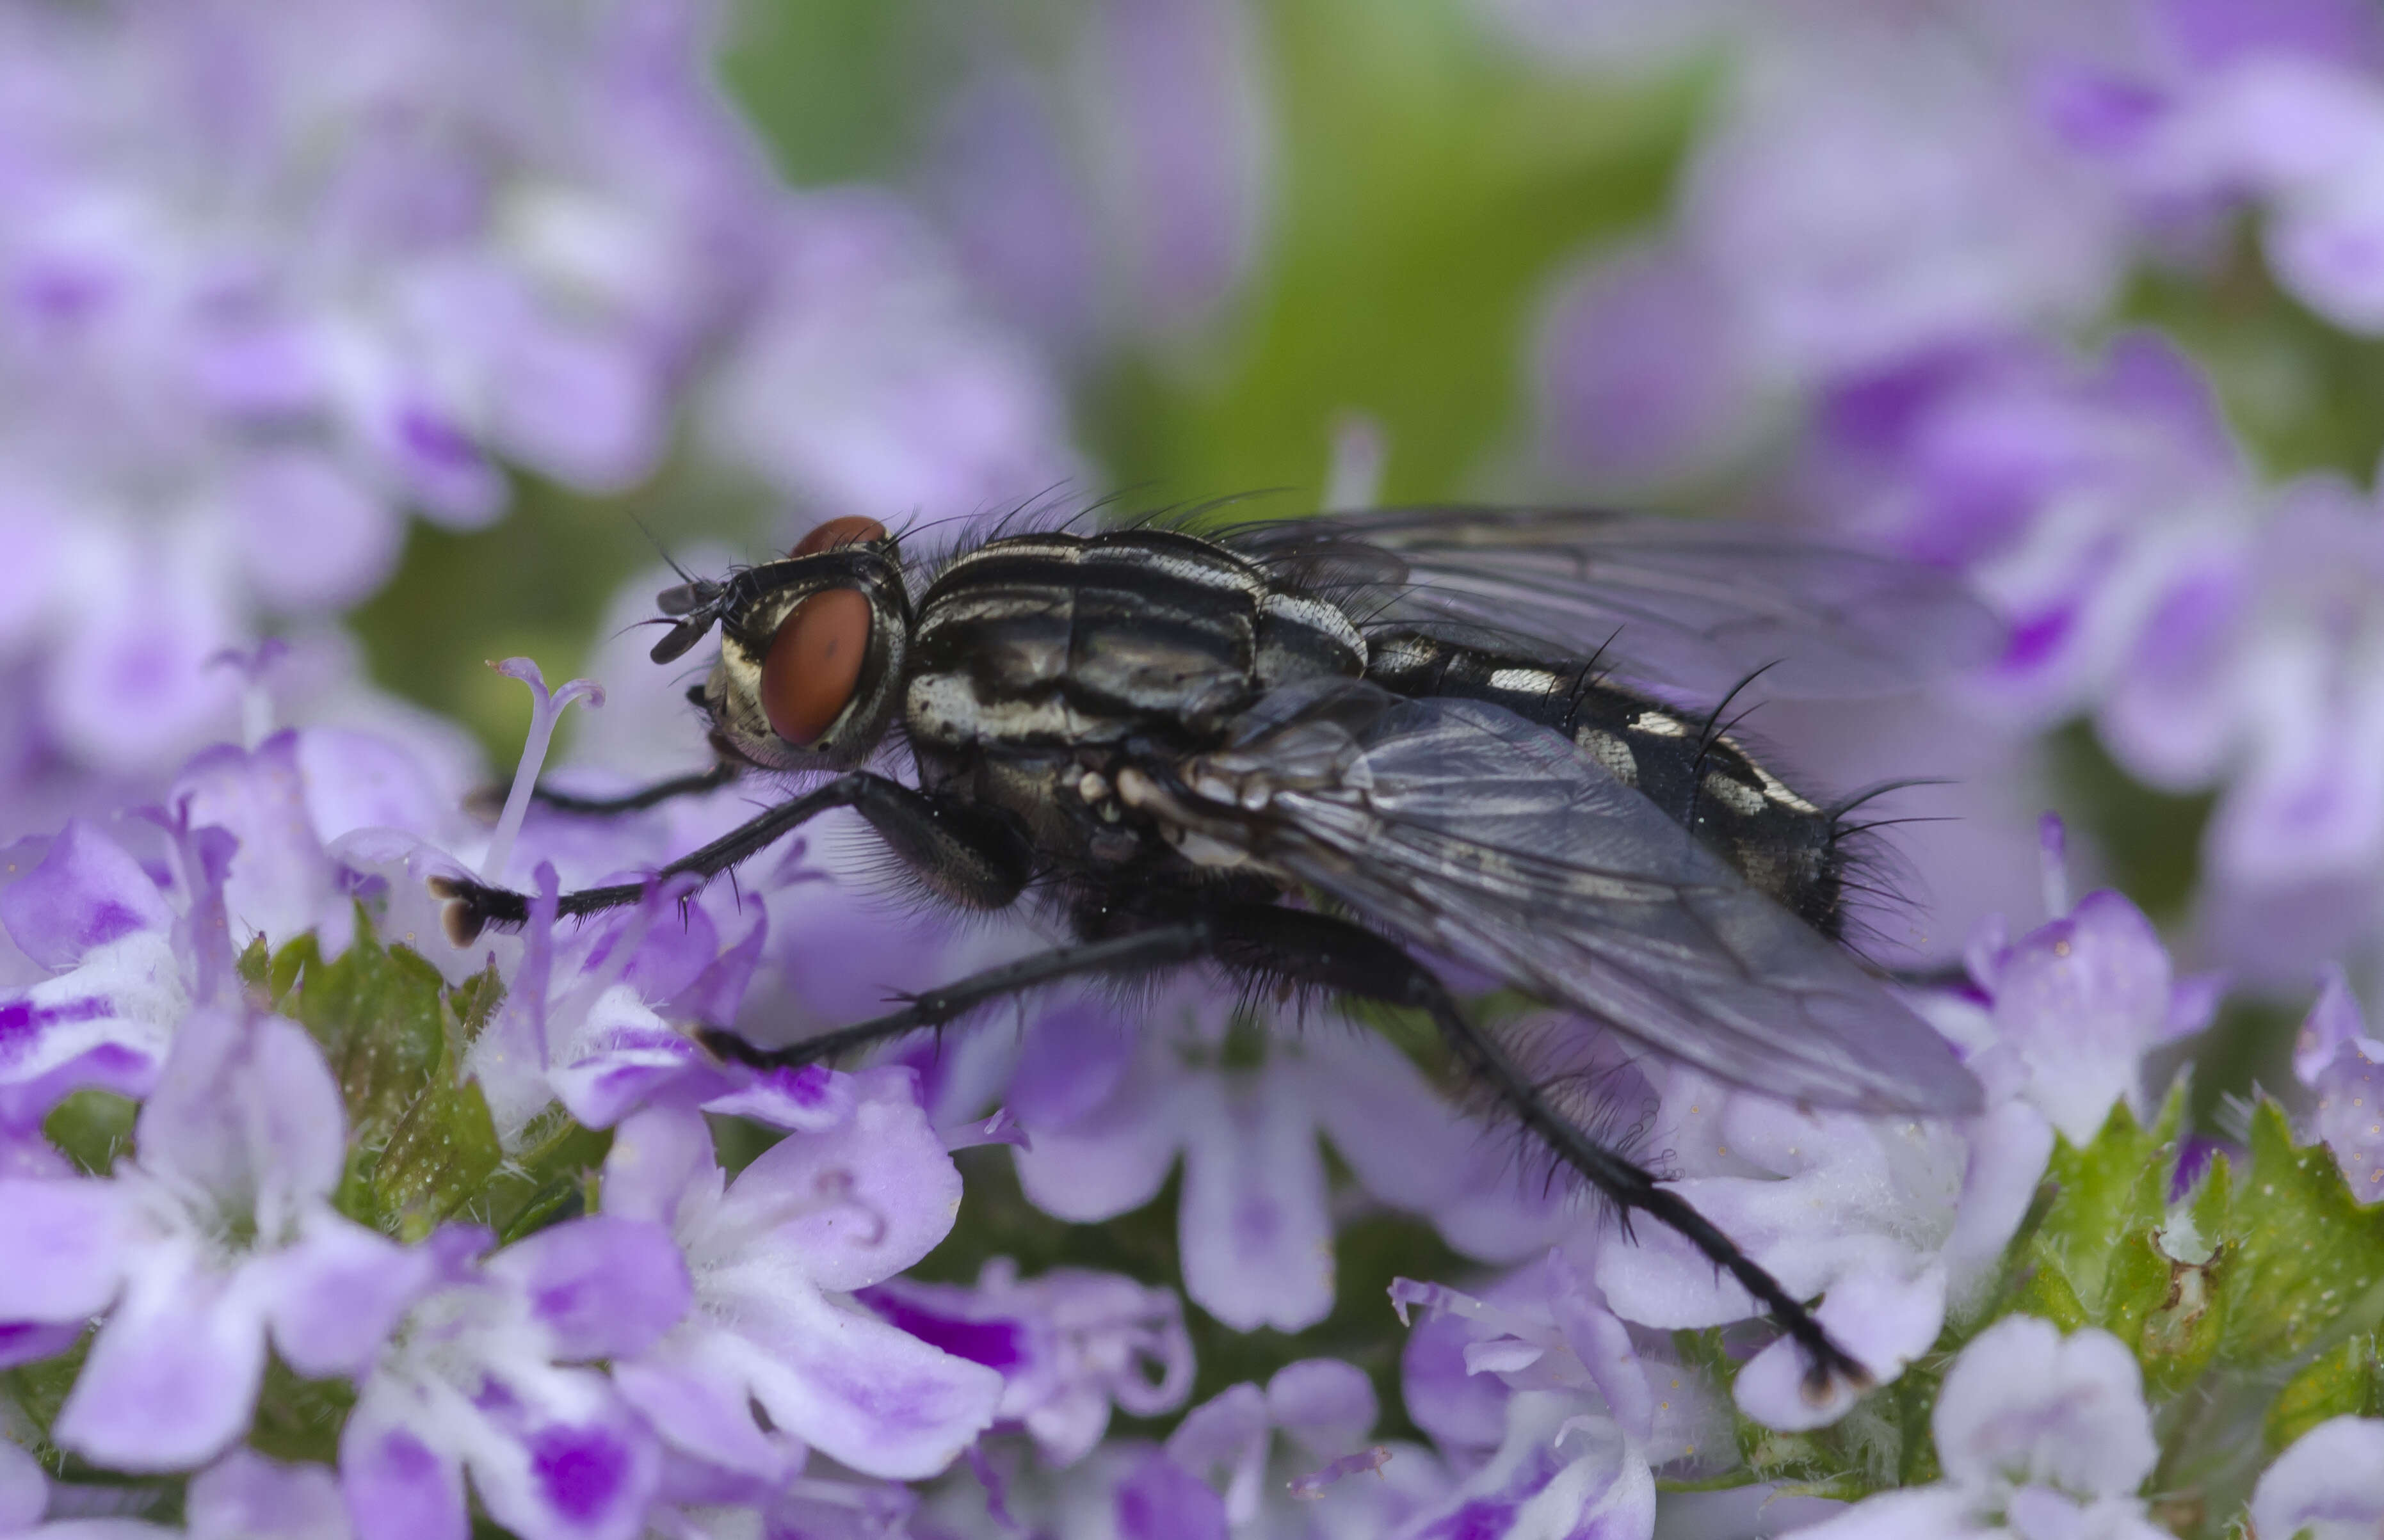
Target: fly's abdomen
x: 1782, y: 842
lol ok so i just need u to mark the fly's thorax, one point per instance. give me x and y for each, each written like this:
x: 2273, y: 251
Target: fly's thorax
x: 812, y: 652
x: 1044, y: 641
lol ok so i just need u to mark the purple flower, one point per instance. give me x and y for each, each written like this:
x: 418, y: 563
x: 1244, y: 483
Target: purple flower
x: 25, y: 1496
x: 1107, y: 1105
x: 823, y: 1213
x: 1124, y: 193
x: 1966, y: 220
x: 481, y: 1375
x: 2335, y: 1057
x: 217, y: 1236
x: 2039, y: 1436
x: 1888, y: 1218
x: 100, y: 986
x: 2078, y: 1001
x: 864, y: 385
x: 246, y: 1497
x: 2328, y: 1485
x: 258, y: 308
x: 1546, y: 1395
x: 1066, y: 1343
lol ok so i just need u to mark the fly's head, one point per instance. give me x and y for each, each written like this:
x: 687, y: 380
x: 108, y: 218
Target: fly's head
x: 812, y: 648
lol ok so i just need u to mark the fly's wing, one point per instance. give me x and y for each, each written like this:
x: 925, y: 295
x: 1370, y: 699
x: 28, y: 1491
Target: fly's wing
x: 1471, y: 832
x: 1691, y: 604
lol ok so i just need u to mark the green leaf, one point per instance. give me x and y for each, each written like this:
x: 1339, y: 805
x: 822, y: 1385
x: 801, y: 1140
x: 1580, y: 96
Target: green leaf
x: 92, y: 1127
x: 2182, y: 1336
x: 299, y: 1419
x: 2342, y: 1381
x: 2306, y: 1252
x: 379, y: 1013
x: 2094, y: 1260
x: 551, y: 1181
x: 441, y: 1155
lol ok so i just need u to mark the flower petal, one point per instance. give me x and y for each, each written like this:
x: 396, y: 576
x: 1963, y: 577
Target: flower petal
x: 1325, y: 1404
x: 589, y: 1478
x: 657, y: 1155
x: 173, y: 1375
x: 1883, y: 1320
x: 247, y: 1497
x: 86, y: 892
x: 247, y: 1111
x: 853, y: 1387
x: 66, y: 1244
x: 1257, y: 1244
x: 2328, y: 1484
x: 2024, y: 1403
x: 603, y: 1286
x: 334, y: 1296
x: 396, y: 1486
x: 691, y: 1388
x: 870, y: 1196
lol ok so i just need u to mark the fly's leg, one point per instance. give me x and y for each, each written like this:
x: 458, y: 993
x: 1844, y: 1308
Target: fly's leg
x: 1319, y: 950
x: 1335, y: 954
x: 975, y: 859
x: 1136, y: 952
x: 693, y: 785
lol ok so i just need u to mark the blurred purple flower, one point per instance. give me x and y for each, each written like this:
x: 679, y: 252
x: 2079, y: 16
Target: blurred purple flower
x: 1643, y: 378
x: 2328, y: 1485
x: 1107, y: 1105
x: 1123, y: 195
x: 1546, y: 1396
x: 217, y: 1233
x: 2038, y: 1435
x: 2336, y: 1058
x: 1066, y: 1343
x: 1874, y: 192
x: 1289, y: 1459
x: 480, y: 1374
x: 823, y: 1213
x: 257, y: 303
x: 25, y: 1497
x: 865, y: 385
x: 2078, y: 1002
x: 97, y: 985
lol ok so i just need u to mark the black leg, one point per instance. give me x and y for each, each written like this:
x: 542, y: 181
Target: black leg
x: 694, y: 785
x: 1333, y: 953
x: 1319, y: 950
x: 1140, y: 952
x: 969, y: 856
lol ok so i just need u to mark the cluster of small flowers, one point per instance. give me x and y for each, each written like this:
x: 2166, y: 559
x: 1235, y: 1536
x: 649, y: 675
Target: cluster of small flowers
x: 653, y: 1344
x: 270, y: 282
x: 1882, y: 250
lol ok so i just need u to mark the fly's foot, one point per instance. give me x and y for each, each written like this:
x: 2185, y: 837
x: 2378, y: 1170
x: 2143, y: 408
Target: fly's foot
x: 472, y: 907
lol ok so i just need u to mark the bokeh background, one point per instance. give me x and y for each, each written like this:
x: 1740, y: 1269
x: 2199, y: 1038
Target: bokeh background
x: 406, y: 333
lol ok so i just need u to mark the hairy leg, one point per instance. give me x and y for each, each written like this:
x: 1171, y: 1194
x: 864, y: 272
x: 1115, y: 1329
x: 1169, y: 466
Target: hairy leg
x: 970, y: 857
x: 1272, y: 941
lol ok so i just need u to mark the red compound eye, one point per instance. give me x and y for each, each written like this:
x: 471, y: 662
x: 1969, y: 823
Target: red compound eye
x: 814, y: 663
x: 851, y: 530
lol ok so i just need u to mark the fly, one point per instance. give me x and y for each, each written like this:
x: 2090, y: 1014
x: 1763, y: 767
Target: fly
x: 1447, y: 731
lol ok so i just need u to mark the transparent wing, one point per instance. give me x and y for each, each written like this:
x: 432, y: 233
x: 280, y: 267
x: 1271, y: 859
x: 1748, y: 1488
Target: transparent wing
x: 1472, y: 832
x: 1694, y: 604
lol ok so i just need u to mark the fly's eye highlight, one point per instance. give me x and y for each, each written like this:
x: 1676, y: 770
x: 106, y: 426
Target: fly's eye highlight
x: 815, y: 660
